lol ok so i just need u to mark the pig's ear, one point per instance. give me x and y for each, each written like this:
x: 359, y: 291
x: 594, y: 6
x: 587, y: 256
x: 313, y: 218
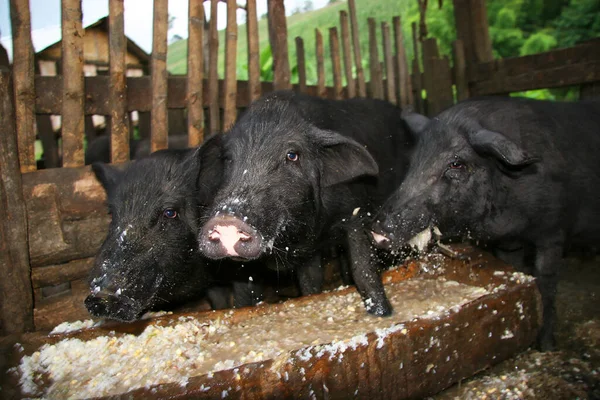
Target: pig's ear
x: 343, y: 158
x: 208, y: 163
x: 107, y: 175
x: 494, y: 143
x: 415, y: 121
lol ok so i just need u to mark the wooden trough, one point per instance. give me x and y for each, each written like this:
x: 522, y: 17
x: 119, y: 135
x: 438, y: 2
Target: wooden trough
x: 394, y: 358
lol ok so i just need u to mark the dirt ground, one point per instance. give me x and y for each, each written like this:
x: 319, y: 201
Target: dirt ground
x: 572, y: 371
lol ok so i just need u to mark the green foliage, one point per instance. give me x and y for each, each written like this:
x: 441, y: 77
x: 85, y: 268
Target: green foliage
x: 538, y: 43
x: 579, y: 21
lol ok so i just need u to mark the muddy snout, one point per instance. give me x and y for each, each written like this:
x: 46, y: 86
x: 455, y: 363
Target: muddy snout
x: 107, y: 304
x: 229, y: 236
x: 382, y: 234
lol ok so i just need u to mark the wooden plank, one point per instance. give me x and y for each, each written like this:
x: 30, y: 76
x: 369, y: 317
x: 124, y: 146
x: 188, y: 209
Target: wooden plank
x: 334, y: 47
x: 360, y: 74
x: 437, y: 78
x: 482, y: 44
x: 24, y: 90
x: 195, y: 73
x: 416, y: 72
x: 320, y: 63
x: 390, y: 76
x: 301, y: 64
x: 51, y: 311
x: 253, y: 51
x: 53, y: 275
x: 278, y: 39
x: 73, y: 84
x: 16, y: 302
x: 119, y: 117
x: 230, y: 86
x: 376, y: 82
x: 213, y: 72
x: 66, y: 214
x: 159, y: 126
x: 404, y: 86
x: 347, y: 54
x: 460, y: 70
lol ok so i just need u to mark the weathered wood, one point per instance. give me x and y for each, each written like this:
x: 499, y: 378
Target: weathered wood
x: 53, y: 275
x: 230, y: 86
x: 417, y: 84
x: 213, y: 73
x: 24, y: 91
x: 320, y: 63
x: 376, y: 82
x: 301, y: 64
x: 16, y: 302
x: 139, y: 91
x: 51, y: 311
x: 347, y: 54
x: 278, y: 39
x: 437, y: 78
x: 159, y: 118
x: 460, y: 71
x: 334, y: 47
x: 119, y: 117
x: 73, y: 84
x: 410, y: 359
x: 360, y: 74
x: 66, y: 214
x: 253, y: 51
x: 48, y: 139
x: 404, y: 84
x: 473, y: 30
x: 390, y: 76
x: 195, y: 73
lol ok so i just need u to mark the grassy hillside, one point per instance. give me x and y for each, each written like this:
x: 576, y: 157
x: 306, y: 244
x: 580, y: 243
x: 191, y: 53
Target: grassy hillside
x: 304, y: 25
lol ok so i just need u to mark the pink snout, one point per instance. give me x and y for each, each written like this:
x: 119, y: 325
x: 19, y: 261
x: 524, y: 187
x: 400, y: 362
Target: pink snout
x: 229, y: 236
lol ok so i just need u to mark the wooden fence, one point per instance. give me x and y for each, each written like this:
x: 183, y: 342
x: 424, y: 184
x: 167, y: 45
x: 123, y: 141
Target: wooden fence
x: 54, y: 220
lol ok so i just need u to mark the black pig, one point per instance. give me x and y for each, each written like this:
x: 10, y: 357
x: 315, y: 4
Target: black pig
x: 150, y: 255
x: 300, y: 173
x: 505, y: 171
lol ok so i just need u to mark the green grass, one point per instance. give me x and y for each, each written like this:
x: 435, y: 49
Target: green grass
x: 304, y: 25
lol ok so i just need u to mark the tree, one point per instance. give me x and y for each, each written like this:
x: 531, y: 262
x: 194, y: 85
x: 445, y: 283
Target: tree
x: 308, y: 6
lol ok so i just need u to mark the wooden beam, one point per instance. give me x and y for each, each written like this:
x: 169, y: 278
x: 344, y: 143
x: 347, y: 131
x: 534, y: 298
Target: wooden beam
x: 417, y: 84
x: 24, y: 90
x: 360, y: 74
x: 390, y: 76
x: 334, y: 47
x: 119, y: 117
x: 376, y: 81
x: 16, y: 295
x: 460, y: 70
x: 279, y: 48
x: 159, y: 126
x: 320, y: 63
x: 230, y: 87
x: 253, y: 51
x: 73, y: 84
x: 347, y: 54
x: 301, y: 64
x: 195, y: 73
x: 213, y: 73
x: 404, y: 86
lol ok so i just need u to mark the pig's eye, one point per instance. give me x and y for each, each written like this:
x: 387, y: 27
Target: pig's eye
x: 170, y: 213
x: 292, y: 156
x: 456, y: 164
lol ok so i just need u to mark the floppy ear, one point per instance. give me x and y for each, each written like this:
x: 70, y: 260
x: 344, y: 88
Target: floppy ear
x: 207, y: 163
x: 494, y: 143
x: 107, y: 175
x: 343, y: 159
x: 415, y: 121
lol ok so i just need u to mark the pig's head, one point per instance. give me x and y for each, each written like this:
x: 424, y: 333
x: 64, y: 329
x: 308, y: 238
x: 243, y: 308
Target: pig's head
x: 457, y: 181
x: 276, y: 165
x: 149, y: 256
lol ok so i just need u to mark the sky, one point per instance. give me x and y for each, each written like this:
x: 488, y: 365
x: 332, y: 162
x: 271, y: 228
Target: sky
x: 45, y: 19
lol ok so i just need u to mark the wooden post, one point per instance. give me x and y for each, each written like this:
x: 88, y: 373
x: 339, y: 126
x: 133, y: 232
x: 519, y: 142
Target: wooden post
x: 195, y: 73
x: 278, y: 40
x: 230, y: 85
x: 334, y: 47
x: 16, y: 293
x: 376, y: 83
x: 159, y: 126
x: 119, y: 117
x: 301, y: 64
x: 254, y: 89
x: 321, y: 91
x: 460, y: 72
x: 24, y: 90
x: 390, y: 76
x: 416, y: 72
x: 472, y: 29
x: 346, y: 50
x: 73, y: 84
x: 213, y: 73
x: 437, y: 78
x: 360, y: 74
x: 404, y: 86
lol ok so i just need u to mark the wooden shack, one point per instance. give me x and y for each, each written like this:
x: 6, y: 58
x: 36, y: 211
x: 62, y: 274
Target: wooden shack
x: 53, y: 221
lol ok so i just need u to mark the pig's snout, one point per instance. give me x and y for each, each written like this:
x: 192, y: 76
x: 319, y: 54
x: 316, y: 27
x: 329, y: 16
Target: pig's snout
x: 110, y: 305
x: 382, y: 233
x: 230, y: 237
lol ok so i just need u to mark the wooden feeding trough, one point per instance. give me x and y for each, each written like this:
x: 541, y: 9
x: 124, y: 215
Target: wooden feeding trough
x: 453, y: 317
